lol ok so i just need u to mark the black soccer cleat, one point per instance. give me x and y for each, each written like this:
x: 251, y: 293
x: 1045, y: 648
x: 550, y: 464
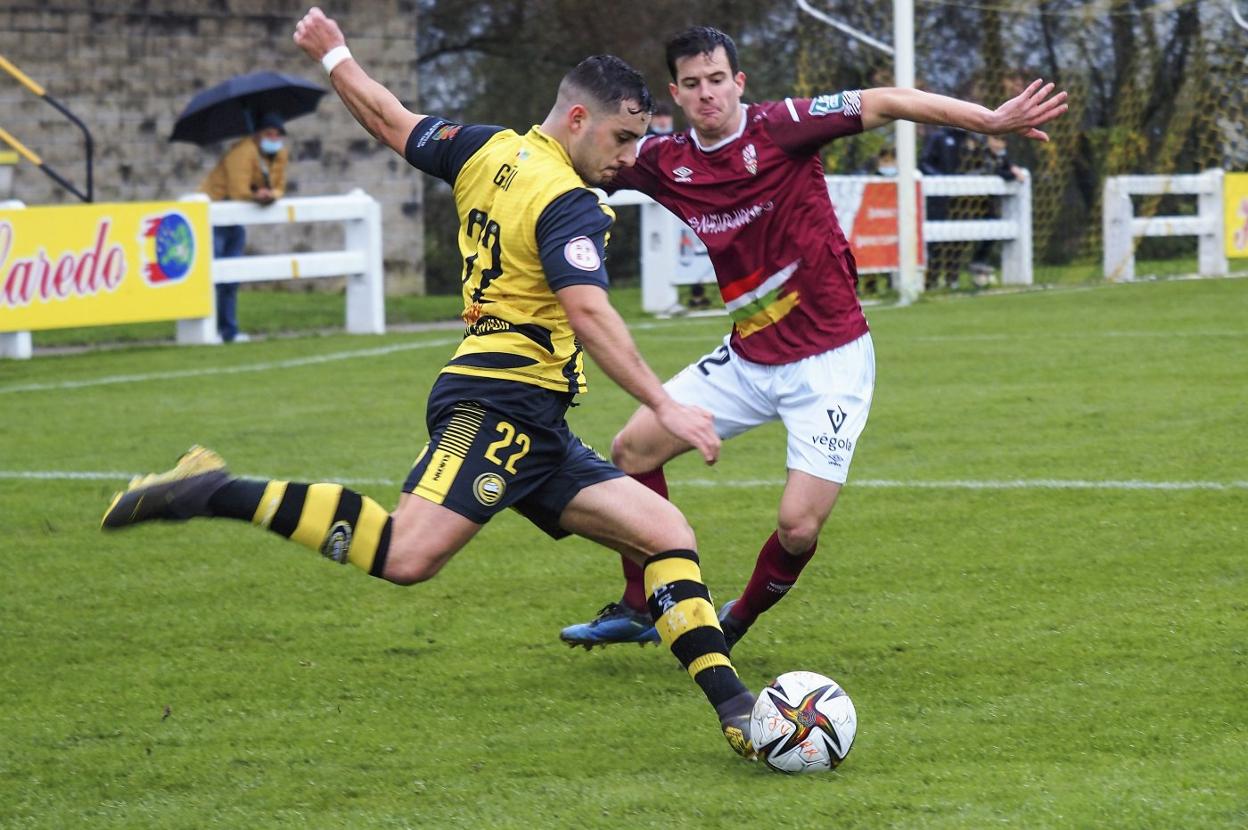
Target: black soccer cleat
x: 734, y: 720
x: 177, y: 495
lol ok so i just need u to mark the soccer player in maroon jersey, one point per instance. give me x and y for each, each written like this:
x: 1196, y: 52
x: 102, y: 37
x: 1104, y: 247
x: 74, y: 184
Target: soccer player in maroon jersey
x: 747, y: 178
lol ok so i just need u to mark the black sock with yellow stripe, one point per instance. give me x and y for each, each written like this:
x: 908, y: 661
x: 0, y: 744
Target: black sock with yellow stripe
x: 686, y: 622
x: 339, y: 523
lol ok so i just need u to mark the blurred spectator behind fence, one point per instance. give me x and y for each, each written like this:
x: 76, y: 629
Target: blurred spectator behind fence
x: 885, y: 162
x: 661, y: 121
x: 993, y: 160
x: 254, y: 169
x: 948, y: 151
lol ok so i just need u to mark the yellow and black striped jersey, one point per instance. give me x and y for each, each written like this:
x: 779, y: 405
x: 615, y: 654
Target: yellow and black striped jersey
x: 528, y: 226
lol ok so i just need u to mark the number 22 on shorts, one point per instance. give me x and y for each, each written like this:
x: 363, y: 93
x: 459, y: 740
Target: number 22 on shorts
x: 511, y: 438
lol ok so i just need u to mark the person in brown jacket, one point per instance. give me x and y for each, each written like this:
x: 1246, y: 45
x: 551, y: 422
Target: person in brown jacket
x: 253, y: 169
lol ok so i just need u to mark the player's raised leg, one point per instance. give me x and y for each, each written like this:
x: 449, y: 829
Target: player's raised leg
x: 635, y: 521
x: 333, y: 520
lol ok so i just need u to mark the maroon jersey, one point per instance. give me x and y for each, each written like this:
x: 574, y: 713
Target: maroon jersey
x: 759, y: 203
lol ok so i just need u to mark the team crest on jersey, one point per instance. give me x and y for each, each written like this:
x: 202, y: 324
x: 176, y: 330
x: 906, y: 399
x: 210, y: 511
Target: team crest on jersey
x: 683, y: 174
x: 750, y: 156
x: 827, y: 104
x: 582, y: 253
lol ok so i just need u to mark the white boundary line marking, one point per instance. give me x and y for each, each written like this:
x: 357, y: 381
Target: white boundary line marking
x: 643, y: 325
x: 290, y: 363
x: 867, y: 483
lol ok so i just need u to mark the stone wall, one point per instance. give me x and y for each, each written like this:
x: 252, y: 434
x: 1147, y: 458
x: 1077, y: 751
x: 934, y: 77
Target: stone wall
x: 128, y: 67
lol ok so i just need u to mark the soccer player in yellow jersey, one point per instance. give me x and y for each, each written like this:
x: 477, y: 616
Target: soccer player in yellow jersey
x: 532, y: 236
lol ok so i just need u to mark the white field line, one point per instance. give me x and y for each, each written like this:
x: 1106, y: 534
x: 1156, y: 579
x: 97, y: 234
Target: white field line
x: 1003, y: 337
x: 177, y: 374
x: 869, y: 483
x: 291, y: 363
x: 681, y: 322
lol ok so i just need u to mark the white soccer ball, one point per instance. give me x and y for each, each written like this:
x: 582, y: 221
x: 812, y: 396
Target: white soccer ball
x: 803, y: 722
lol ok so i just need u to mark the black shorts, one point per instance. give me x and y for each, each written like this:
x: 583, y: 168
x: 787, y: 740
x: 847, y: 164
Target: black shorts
x: 495, y: 444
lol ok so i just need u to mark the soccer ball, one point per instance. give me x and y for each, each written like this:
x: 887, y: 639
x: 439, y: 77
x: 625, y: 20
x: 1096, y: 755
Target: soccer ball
x: 803, y: 722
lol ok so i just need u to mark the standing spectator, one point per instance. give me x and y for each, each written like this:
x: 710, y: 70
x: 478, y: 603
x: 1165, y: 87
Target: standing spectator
x: 885, y: 162
x: 254, y: 169
x: 993, y: 160
x: 948, y: 151
x: 663, y: 123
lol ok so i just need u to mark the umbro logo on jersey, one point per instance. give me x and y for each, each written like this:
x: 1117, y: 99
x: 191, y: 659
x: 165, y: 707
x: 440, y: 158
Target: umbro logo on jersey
x: 837, y: 417
x: 683, y: 174
x: 750, y: 156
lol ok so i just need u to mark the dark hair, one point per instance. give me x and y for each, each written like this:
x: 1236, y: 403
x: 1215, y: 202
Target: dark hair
x: 609, y: 81
x: 271, y: 119
x: 661, y: 109
x: 700, y: 40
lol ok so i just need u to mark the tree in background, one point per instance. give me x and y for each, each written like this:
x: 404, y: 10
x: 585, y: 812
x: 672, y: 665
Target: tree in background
x: 1155, y: 87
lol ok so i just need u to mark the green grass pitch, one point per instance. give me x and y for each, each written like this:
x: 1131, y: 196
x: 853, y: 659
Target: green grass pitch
x: 1035, y: 589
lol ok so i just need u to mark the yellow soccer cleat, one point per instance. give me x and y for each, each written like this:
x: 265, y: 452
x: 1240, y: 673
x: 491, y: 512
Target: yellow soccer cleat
x: 737, y: 731
x: 179, y: 494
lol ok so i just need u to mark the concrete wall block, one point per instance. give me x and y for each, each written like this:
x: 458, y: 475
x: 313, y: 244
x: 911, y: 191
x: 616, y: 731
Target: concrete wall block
x: 128, y: 70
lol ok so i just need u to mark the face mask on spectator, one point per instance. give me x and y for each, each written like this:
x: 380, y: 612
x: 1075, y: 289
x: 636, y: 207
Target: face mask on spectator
x: 887, y: 171
x: 270, y: 146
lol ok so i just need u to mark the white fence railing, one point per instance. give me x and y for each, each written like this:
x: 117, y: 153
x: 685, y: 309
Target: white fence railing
x: 1013, y: 227
x: 1120, y: 227
x: 360, y: 260
x: 671, y: 255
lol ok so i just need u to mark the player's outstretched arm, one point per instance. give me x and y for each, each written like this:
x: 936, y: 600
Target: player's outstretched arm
x: 374, y: 106
x: 1022, y: 114
x: 605, y: 337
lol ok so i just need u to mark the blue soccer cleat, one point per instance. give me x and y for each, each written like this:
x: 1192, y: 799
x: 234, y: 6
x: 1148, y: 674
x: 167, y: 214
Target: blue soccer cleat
x: 615, y: 623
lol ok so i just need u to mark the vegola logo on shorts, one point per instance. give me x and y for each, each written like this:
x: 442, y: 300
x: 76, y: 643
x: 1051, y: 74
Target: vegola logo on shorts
x: 837, y: 417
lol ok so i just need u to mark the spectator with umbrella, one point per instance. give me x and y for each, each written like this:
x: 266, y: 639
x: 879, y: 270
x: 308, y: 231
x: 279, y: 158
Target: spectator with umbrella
x: 254, y: 168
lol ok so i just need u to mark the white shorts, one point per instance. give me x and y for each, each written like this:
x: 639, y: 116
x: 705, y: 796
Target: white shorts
x: 823, y: 401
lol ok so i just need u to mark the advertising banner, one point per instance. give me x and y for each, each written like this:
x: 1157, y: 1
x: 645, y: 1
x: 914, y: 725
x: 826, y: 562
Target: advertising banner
x: 867, y: 209
x: 1235, y: 194
x: 100, y: 264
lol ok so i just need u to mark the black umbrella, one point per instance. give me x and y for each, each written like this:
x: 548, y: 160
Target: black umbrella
x: 233, y: 107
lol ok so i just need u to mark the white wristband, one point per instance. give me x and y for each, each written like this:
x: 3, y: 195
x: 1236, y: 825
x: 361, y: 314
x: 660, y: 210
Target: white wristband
x: 334, y: 57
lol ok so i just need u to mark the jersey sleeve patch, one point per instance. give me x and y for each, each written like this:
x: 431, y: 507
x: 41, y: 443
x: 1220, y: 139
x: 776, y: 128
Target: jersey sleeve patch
x: 803, y: 125
x: 441, y: 148
x: 572, y: 240
x: 582, y: 253
x: 849, y: 103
